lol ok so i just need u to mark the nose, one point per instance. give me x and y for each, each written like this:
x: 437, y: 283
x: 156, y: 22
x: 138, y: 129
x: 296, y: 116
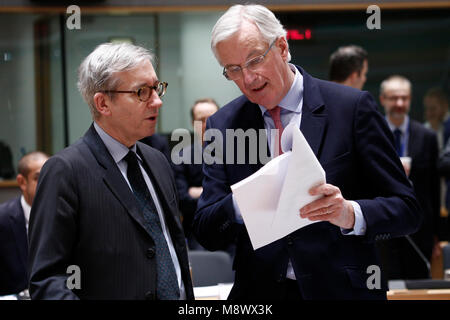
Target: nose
x: 400, y: 101
x: 248, y: 76
x: 155, y: 101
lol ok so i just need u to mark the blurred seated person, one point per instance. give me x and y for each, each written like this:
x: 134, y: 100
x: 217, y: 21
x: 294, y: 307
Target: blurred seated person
x: 189, y: 175
x: 14, y: 217
x: 159, y: 142
x: 349, y: 66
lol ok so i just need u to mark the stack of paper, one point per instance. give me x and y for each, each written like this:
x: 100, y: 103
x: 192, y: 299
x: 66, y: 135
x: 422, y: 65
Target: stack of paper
x: 271, y: 198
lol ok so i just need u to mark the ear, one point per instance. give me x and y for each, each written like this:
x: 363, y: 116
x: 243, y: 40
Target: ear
x: 283, y: 46
x: 382, y: 99
x: 22, y: 181
x: 353, y: 77
x: 102, y: 103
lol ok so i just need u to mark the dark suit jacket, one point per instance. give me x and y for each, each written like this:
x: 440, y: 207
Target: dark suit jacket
x: 13, y: 248
x: 188, y: 175
x: 355, y: 147
x: 401, y: 260
x: 85, y: 214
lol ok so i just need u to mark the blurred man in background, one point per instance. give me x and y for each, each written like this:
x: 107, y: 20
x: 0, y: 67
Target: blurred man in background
x: 189, y: 175
x: 14, y: 217
x: 417, y: 147
x: 349, y: 66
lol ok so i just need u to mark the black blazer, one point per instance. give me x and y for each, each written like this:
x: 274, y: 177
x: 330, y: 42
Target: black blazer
x: 424, y: 151
x: 85, y: 214
x: 13, y: 248
x: 355, y: 147
x: 400, y: 258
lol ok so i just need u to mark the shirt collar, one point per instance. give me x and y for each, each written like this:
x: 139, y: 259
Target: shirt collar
x: 117, y: 150
x: 292, y: 100
x: 26, y: 209
x: 403, y: 128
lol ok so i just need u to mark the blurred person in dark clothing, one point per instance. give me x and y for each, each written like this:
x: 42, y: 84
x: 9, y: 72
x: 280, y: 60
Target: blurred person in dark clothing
x: 14, y: 217
x: 417, y: 146
x: 189, y: 175
x: 349, y: 66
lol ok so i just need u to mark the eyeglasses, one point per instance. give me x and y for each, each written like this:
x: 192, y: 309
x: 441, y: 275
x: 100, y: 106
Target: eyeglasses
x: 234, y: 72
x: 144, y: 93
x: 395, y: 98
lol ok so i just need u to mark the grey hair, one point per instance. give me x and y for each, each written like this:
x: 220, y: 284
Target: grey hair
x: 231, y: 21
x: 98, y: 69
x: 394, y: 78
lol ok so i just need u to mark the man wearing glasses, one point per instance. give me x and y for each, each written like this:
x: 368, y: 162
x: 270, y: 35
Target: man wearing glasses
x: 105, y: 222
x: 331, y: 259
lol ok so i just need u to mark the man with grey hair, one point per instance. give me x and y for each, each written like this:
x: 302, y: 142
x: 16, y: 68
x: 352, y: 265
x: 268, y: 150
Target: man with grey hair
x: 417, y: 147
x: 105, y: 223
x: 325, y: 260
x: 349, y: 66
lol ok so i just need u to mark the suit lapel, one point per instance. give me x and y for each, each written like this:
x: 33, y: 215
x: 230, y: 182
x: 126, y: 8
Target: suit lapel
x: 112, y: 176
x: 314, y: 117
x: 251, y: 119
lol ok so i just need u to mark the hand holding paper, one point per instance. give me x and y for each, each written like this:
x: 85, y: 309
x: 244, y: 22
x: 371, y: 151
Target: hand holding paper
x: 270, y: 199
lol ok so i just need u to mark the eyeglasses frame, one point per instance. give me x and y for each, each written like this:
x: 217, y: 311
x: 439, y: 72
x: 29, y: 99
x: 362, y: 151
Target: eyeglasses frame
x: 165, y: 84
x: 224, y: 72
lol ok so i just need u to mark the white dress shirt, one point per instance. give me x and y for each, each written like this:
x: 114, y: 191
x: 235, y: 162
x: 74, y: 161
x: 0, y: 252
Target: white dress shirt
x: 26, y: 210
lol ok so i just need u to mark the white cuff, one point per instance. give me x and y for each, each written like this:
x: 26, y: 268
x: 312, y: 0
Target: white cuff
x: 359, y: 229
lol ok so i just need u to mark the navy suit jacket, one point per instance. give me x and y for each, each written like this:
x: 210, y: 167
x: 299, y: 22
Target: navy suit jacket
x: 85, y: 214
x: 355, y: 147
x: 13, y: 248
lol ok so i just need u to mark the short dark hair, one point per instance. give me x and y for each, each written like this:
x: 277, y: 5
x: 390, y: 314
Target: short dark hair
x: 203, y: 100
x: 24, y: 162
x: 438, y: 94
x: 346, y: 60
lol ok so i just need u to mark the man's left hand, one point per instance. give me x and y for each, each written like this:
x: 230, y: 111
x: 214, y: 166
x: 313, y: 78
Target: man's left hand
x: 331, y: 207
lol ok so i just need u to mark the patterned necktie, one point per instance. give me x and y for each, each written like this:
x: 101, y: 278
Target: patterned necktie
x: 166, y: 283
x: 275, y: 114
x: 397, y: 141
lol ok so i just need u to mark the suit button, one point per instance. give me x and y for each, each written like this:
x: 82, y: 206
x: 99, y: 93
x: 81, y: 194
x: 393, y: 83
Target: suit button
x: 150, y: 296
x: 290, y: 242
x: 150, y: 253
x: 280, y: 278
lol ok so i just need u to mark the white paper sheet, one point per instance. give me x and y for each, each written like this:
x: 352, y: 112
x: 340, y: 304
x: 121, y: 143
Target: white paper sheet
x: 220, y: 291
x: 270, y: 199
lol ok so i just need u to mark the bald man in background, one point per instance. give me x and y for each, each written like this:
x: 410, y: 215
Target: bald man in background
x: 14, y: 217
